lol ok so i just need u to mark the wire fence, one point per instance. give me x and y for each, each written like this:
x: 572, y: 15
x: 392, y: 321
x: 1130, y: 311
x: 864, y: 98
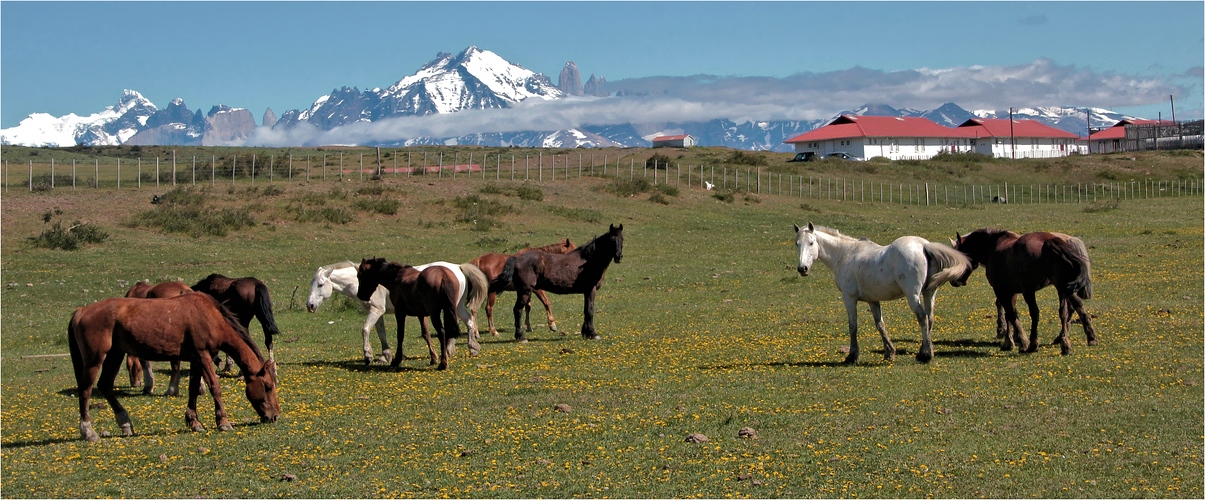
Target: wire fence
x: 214, y: 170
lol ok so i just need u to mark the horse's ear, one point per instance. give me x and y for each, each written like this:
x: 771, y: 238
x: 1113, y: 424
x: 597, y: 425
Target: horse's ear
x: 270, y: 368
x: 811, y: 227
x: 796, y: 227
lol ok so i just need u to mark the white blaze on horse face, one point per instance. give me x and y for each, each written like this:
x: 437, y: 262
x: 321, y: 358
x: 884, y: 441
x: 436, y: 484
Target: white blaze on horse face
x: 805, y: 241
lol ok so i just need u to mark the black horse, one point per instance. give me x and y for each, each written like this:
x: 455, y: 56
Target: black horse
x: 578, y: 271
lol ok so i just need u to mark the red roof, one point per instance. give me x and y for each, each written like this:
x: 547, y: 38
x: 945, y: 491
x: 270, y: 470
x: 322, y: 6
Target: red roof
x: 665, y: 138
x: 847, y: 126
x: 1118, y: 131
x: 999, y: 127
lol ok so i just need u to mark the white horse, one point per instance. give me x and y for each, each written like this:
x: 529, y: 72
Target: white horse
x: 341, y: 277
x: 911, y: 267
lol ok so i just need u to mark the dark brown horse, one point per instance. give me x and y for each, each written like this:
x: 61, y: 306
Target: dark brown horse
x: 579, y: 271
x: 492, y: 263
x: 247, y: 298
x: 141, y: 369
x: 1027, y: 263
x: 192, y: 327
x: 429, y: 292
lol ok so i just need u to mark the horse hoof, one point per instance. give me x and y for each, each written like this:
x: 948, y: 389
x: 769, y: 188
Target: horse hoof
x: 127, y: 430
x: 592, y: 336
x: 552, y: 326
x: 225, y: 427
x: 924, y: 358
x: 368, y: 360
x: 1093, y: 342
x: 850, y: 360
x: 197, y: 428
x: 172, y: 393
x: 146, y: 391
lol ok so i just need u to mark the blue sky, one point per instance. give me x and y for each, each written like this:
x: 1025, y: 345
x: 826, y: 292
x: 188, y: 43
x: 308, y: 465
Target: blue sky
x: 69, y: 57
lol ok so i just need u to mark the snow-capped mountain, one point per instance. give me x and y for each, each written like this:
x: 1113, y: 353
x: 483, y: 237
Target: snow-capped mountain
x: 472, y: 79
x: 110, y: 127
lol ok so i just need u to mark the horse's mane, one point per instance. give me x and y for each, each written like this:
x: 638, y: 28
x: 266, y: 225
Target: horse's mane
x: 589, y: 248
x: 232, y: 320
x: 206, y: 283
x: 340, y: 265
x: 835, y: 233
x: 553, y: 248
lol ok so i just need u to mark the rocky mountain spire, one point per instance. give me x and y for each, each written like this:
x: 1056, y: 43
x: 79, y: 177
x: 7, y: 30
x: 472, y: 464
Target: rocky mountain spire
x: 596, y: 86
x: 570, y: 81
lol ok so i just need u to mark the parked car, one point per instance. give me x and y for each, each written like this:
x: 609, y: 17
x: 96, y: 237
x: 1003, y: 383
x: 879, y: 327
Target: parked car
x: 806, y: 156
x: 844, y: 156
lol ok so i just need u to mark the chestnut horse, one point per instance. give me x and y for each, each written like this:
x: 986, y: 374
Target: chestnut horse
x: 1024, y: 264
x: 579, y: 271
x: 492, y: 263
x: 426, y: 293
x: 191, y: 327
x: 247, y: 298
x: 141, y: 369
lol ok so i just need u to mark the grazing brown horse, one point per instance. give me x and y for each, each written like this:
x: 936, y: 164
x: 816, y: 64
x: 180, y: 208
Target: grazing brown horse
x: 141, y: 369
x: 578, y: 271
x: 428, y: 292
x: 492, y: 263
x: 1024, y: 264
x: 192, y: 327
x: 247, y: 298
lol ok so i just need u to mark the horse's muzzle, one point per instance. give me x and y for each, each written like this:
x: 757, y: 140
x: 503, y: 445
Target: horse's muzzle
x: 803, y: 271
x: 311, y: 307
x: 268, y: 420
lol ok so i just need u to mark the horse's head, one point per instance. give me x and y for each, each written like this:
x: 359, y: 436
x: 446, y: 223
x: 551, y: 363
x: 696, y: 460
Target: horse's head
x: 261, y: 392
x: 320, y: 289
x: 369, y: 276
x: 567, y: 246
x: 616, y: 235
x: 805, y: 242
x: 962, y: 244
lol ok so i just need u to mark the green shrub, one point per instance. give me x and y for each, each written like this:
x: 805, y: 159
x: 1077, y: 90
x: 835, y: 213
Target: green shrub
x: 628, y: 187
x: 658, y: 160
x: 659, y: 198
x: 750, y: 158
x: 724, y: 196
x: 529, y: 192
x: 968, y: 157
x: 194, y: 220
x: 577, y: 214
x: 384, y: 206
x: 69, y: 238
x: 337, y: 215
x: 667, y: 190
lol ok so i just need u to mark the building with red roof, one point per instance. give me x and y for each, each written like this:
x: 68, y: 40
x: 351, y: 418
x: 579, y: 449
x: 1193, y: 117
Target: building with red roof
x: 915, y: 138
x: 674, y: 141
x: 1112, y: 139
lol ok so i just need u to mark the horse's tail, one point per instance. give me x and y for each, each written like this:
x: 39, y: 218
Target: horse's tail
x: 478, y: 287
x: 77, y: 355
x: 1074, y: 253
x: 945, y: 264
x: 498, y: 284
x: 263, y: 310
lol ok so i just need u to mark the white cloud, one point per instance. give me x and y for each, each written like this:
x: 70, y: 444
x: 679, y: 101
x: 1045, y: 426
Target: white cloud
x: 805, y: 96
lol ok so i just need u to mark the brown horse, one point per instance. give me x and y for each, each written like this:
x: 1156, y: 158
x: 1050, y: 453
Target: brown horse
x: 579, y: 271
x: 247, y: 298
x: 192, y: 327
x: 141, y: 369
x: 426, y: 293
x: 492, y: 263
x: 1027, y: 263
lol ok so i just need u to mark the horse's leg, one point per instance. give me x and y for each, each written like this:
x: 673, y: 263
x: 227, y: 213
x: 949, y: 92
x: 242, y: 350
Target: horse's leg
x: 588, y: 330
x: 917, y: 304
x: 173, y: 385
x: 148, y: 375
x: 134, y: 369
x: 422, y: 323
x: 851, y: 310
x: 547, y: 309
x: 1008, y: 302
x: 401, y: 335
x: 369, y: 322
x: 215, y: 390
x: 194, y: 391
x: 524, y: 298
x: 1084, y: 319
x: 1031, y: 301
x: 386, y: 351
x: 1002, y: 328
x: 489, y: 312
x: 108, y: 374
x: 470, y: 321
x: 84, y: 376
x: 876, y: 310
x: 448, y: 330
x: 1064, y: 338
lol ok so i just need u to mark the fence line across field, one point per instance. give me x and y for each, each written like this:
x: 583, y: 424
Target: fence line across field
x: 533, y: 168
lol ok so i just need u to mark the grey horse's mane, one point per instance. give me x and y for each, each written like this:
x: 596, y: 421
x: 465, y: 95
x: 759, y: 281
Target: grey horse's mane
x: 833, y: 232
x: 340, y: 265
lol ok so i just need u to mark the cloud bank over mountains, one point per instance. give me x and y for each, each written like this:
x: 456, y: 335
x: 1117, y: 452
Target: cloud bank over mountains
x: 803, y: 97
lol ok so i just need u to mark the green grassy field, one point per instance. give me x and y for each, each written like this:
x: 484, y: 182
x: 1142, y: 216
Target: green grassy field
x: 706, y: 328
